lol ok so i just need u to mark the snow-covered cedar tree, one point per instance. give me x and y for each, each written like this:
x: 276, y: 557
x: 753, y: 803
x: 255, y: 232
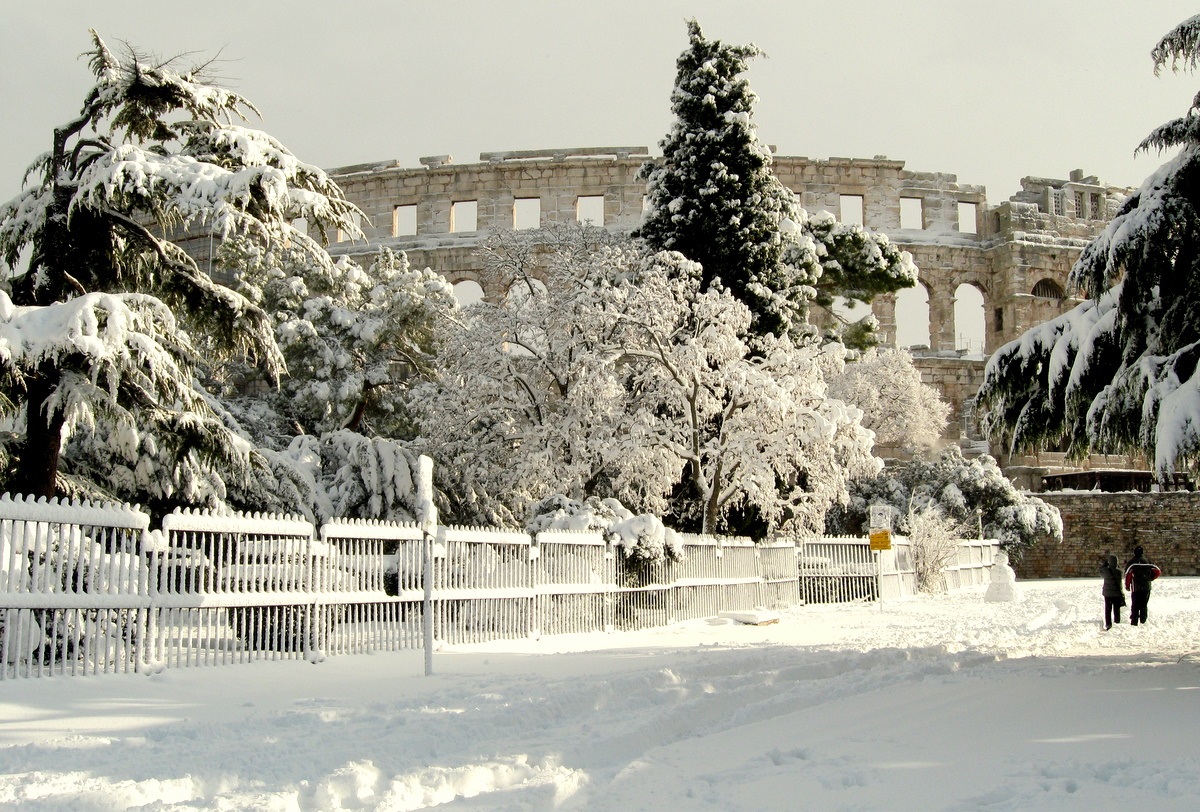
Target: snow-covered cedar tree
x: 901, y: 410
x: 972, y: 492
x: 714, y: 198
x: 333, y: 437
x: 152, y: 154
x: 642, y: 540
x: 353, y: 339
x: 336, y: 474
x: 1119, y: 373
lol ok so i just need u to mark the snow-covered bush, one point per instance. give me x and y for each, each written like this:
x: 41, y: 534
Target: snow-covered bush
x: 972, y: 492
x: 618, y: 376
x: 934, y: 539
x: 896, y: 405
x: 642, y: 540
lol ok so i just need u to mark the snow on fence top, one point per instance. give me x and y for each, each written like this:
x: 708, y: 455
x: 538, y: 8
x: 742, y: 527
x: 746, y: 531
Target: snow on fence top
x: 277, y: 524
x: 106, y: 514
x: 369, y: 529
x: 571, y: 537
x: 482, y: 534
x: 696, y: 539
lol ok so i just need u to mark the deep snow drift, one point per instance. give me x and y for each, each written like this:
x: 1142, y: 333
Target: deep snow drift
x: 933, y: 703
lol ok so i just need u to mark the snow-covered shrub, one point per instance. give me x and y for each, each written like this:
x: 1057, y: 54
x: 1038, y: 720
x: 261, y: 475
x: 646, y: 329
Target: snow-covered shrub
x: 973, y: 492
x: 934, y: 539
x: 643, y: 541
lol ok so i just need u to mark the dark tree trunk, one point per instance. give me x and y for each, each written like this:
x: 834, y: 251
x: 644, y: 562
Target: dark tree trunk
x: 38, y: 471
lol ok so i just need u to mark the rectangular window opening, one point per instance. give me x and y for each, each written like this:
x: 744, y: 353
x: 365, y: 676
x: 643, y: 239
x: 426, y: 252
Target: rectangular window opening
x: 967, y: 212
x: 464, y: 216
x: 912, y: 212
x: 404, y: 221
x: 999, y: 313
x: 851, y: 207
x: 589, y: 209
x: 527, y: 213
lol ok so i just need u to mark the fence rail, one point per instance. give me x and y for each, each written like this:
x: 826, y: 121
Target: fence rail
x: 88, y: 589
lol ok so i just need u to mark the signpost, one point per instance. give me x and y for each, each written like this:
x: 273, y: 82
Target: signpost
x: 881, y: 539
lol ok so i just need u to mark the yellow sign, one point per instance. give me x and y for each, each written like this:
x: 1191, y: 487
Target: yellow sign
x: 881, y: 539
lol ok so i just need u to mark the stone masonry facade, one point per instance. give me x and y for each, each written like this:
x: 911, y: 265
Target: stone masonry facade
x: 1095, y: 524
x: 1016, y: 254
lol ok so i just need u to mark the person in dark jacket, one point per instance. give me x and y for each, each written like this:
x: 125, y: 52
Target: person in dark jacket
x: 1113, y: 592
x: 1139, y: 574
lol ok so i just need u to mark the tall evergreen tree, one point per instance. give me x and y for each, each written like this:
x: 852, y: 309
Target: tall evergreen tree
x: 97, y: 325
x: 1118, y: 373
x: 714, y: 198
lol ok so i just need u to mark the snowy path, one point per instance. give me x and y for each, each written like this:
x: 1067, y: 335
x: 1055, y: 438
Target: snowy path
x: 943, y: 703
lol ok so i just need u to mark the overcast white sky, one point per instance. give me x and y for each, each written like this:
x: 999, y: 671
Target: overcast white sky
x: 990, y: 91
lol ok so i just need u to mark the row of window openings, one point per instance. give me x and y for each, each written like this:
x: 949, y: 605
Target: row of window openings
x: 527, y: 213
x: 912, y: 213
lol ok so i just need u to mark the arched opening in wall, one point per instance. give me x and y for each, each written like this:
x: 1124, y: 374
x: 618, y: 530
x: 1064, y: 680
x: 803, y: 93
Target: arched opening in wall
x: 851, y: 310
x: 468, y: 292
x: 970, y: 323
x: 912, y: 317
x: 1048, y: 289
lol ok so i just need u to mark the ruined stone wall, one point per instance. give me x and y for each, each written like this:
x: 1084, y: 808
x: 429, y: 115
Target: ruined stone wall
x: 1004, y: 253
x: 1095, y: 524
x: 957, y: 379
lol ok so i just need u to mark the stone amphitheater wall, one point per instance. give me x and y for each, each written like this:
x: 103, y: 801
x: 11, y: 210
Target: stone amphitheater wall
x: 1004, y: 252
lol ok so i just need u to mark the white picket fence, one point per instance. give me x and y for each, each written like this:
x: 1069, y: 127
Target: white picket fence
x: 843, y: 569
x: 90, y: 589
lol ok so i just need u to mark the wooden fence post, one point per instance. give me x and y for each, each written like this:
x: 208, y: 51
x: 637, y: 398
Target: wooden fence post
x: 428, y: 524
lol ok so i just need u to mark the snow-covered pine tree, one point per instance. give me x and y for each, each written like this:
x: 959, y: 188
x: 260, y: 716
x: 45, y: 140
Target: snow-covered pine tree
x: 153, y: 153
x: 714, y: 198
x: 1119, y: 373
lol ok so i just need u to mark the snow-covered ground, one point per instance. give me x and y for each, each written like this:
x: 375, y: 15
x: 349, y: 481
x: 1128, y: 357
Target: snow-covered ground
x: 934, y: 703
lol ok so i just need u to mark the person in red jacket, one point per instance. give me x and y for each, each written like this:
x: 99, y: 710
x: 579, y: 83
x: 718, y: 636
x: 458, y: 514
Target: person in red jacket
x: 1139, y: 574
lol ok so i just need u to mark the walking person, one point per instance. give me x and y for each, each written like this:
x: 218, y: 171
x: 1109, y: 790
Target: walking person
x: 1113, y: 592
x: 1139, y: 574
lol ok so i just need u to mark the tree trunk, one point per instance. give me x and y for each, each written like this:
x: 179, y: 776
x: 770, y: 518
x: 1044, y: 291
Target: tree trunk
x: 38, y: 471
x: 712, y: 506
